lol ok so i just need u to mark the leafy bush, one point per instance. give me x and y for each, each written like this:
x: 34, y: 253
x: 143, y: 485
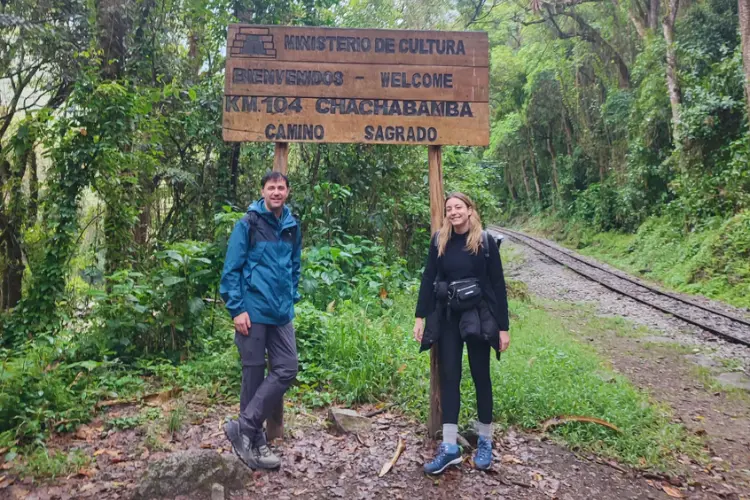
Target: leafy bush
x: 160, y: 311
x: 351, y: 266
x: 41, y: 389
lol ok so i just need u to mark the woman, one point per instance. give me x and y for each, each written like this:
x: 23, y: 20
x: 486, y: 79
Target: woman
x: 463, y: 261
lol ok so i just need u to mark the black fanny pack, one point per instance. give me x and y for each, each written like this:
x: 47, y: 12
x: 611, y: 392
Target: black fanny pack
x: 464, y: 294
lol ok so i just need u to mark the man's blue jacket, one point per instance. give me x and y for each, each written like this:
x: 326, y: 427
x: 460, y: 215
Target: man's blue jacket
x: 260, y: 277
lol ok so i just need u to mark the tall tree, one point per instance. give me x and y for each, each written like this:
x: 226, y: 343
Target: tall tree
x: 673, y: 85
x: 744, y: 17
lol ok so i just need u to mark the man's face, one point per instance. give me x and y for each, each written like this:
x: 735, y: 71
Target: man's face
x: 275, y: 193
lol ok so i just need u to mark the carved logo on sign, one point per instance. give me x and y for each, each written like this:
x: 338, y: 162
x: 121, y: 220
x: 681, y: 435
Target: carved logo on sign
x: 253, y: 42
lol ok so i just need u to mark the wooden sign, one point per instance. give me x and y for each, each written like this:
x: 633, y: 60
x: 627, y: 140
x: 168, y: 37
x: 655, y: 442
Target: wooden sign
x: 302, y: 84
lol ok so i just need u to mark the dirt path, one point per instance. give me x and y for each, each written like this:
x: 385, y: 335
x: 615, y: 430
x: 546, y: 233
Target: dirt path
x: 676, y: 363
x: 321, y: 465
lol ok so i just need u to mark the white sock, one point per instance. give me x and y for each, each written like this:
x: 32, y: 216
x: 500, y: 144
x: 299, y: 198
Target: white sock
x: 484, y: 430
x: 450, y: 431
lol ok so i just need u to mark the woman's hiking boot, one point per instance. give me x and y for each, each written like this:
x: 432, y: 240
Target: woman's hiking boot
x: 447, y: 455
x: 483, y: 455
x: 265, y: 458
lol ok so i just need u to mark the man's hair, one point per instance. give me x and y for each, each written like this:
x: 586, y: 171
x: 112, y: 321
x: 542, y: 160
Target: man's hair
x: 273, y: 176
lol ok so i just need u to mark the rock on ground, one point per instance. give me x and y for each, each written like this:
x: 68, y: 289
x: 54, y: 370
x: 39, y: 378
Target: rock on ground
x: 194, y: 473
x: 348, y: 421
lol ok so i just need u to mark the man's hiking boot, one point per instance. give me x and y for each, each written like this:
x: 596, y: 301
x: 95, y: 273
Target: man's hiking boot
x: 483, y: 455
x: 447, y: 455
x: 265, y: 458
x: 241, y: 445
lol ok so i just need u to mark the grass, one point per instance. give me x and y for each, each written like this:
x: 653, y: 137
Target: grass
x: 713, y: 261
x: 707, y: 377
x: 363, y: 351
x: 369, y: 355
x: 50, y: 464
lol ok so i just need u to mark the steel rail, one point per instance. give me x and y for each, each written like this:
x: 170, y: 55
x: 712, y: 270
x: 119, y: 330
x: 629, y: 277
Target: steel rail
x: 522, y: 238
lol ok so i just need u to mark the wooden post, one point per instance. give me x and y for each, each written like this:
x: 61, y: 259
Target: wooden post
x: 281, y: 157
x: 275, y: 422
x: 437, y: 208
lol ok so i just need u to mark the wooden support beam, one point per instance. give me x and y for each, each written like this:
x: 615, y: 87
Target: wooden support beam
x: 281, y: 157
x: 437, y: 208
x: 275, y: 422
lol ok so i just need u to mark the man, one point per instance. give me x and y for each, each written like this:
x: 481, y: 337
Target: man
x: 259, y: 286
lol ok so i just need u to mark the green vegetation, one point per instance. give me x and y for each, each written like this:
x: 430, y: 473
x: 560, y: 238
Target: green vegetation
x: 714, y: 261
x: 51, y: 464
x: 117, y: 195
x: 365, y: 354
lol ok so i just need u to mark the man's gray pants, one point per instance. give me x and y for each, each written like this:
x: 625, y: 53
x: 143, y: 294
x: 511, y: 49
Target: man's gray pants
x: 260, y: 394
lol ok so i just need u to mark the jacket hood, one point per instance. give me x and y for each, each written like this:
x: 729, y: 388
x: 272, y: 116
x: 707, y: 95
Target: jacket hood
x: 259, y: 206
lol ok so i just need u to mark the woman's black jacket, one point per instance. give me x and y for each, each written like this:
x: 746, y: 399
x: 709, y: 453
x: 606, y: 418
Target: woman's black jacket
x: 489, y: 271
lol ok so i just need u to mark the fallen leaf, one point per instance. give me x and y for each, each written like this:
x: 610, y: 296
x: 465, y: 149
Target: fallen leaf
x: 6, y: 466
x: 86, y: 433
x: 85, y: 473
x: 510, y: 459
x: 111, y: 453
x: 206, y: 446
x: 145, y: 454
x: 672, y: 492
x: 113, y: 402
x: 563, y: 419
x: 383, y: 293
x: 160, y: 398
x: 389, y: 465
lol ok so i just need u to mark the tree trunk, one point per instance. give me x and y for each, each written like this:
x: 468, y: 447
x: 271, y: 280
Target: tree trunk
x: 525, y: 179
x: 140, y: 234
x: 437, y: 207
x: 534, y: 170
x: 568, y: 132
x: 112, y: 30
x: 13, y: 278
x: 509, y: 183
x: 673, y: 86
x: 744, y: 15
x: 607, y: 53
x: 119, y: 231
x: 234, y: 171
x: 653, y: 15
x: 33, y: 188
x: 11, y: 222
x: 553, y: 158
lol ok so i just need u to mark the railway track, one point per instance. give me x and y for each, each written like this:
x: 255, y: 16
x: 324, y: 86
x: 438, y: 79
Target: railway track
x: 725, y: 324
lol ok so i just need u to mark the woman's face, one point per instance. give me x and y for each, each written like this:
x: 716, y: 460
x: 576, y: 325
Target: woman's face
x: 457, y: 212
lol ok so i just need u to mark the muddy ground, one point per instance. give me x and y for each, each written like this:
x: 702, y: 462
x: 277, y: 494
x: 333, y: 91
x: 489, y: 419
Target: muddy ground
x: 672, y: 361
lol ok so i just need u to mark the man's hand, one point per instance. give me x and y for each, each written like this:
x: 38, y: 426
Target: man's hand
x: 242, y: 323
x: 504, y: 340
x: 418, y: 329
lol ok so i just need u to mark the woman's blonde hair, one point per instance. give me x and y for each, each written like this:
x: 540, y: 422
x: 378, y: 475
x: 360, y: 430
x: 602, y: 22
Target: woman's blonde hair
x: 474, y: 238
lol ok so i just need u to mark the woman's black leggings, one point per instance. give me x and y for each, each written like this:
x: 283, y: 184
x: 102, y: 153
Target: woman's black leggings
x: 451, y: 350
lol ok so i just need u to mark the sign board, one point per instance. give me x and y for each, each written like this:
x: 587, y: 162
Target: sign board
x: 306, y: 84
